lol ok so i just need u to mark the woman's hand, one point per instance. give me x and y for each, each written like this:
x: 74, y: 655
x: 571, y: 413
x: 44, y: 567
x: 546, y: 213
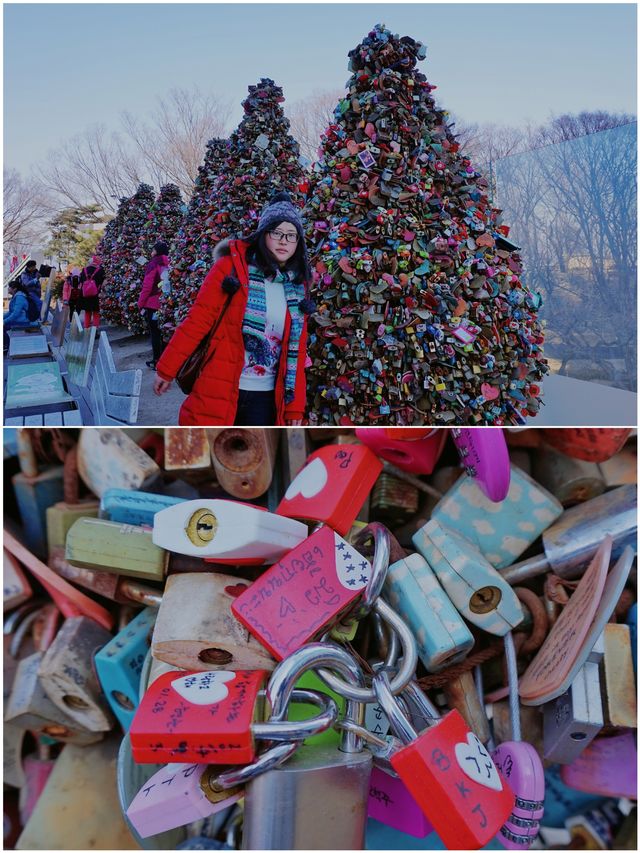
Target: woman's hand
x: 297, y: 422
x: 161, y: 386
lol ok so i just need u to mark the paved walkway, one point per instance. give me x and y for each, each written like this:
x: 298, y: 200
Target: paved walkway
x: 131, y: 351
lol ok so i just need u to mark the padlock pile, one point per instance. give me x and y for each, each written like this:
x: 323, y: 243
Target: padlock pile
x: 162, y: 223
x: 127, y: 264
x: 262, y: 158
x: 110, y: 304
x: 423, y: 316
x: 462, y: 680
x: 184, y: 257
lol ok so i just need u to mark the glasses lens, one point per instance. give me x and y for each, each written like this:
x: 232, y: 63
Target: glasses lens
x: 280, y: 236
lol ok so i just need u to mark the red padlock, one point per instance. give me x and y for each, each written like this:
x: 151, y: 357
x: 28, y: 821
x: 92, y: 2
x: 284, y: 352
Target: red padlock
x: 332, y: 486
x: 450, y: 774
x: 591, y: 445
x: 417, y: 455
x: 297, y: 598
x: 199, y: 717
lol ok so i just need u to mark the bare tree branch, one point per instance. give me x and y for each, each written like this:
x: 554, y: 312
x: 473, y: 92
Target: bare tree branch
x: 26, y: 207
x: 310, y: 117
x: 93, y: 167
x: 171, y: 143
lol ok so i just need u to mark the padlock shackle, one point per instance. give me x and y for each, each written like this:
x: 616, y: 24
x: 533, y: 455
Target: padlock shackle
x: 379, y: 566
x: 512, y: 678
x: 283, y: 678
x: 298, y: 730
x: 267, y: 761
x: 381, y: 748
x: 398, y: 721
x: 406, y: 669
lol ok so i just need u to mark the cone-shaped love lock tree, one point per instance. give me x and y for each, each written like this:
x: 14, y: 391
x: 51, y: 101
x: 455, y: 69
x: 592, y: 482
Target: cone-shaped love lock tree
x: 262, y: 158
x: 110, y: 300
x: 126, y: 263
x: 162, y: 223
x: 185, y: 262
x: 422, y: 314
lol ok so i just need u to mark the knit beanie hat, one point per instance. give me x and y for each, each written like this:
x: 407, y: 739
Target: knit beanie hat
x: 161, y: 248
x: 280, y: 209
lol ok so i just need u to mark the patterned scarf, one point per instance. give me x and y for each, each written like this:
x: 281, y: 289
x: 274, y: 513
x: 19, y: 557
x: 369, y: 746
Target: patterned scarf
x: 256, y: 314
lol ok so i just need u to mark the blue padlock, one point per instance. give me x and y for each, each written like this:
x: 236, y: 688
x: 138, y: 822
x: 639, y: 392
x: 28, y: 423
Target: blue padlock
x: 119, y: 665
x: 132, y: 507
x: 441, y: 635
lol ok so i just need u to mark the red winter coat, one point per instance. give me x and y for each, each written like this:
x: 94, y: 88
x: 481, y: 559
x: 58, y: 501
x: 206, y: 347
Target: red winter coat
x: 214, y: 399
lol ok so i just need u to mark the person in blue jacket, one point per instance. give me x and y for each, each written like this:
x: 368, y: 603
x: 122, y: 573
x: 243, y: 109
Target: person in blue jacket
x: 17, y: 317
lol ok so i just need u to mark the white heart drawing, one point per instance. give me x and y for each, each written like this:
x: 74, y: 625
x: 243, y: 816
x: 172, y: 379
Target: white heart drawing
x: 204, y: 688
x: 477, y: 764
x: 309, y: 482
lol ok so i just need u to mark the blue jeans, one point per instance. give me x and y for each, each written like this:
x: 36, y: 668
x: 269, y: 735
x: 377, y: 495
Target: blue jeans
x: 256, y: 408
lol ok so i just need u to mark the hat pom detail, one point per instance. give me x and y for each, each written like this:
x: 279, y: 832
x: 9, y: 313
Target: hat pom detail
x: 282, y: 196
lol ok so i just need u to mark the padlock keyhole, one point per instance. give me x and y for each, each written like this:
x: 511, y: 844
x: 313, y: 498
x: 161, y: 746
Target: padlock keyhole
x: 216, y: 656
x: 123, y: 700
x: 485, y: 600
x: 75, y: 702
x: 578, y: 735
x: 202, y: 527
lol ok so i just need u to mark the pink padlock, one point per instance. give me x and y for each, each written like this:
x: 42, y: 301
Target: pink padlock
x: 483, y: 452
x: 176, y: 795
x: 391, y: 803
x: 416, y: 456
x: 521, y: 766
x: 37, y: 769
x: 608, y: 767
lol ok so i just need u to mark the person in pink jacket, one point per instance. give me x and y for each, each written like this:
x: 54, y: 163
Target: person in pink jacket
x: 149, y: 299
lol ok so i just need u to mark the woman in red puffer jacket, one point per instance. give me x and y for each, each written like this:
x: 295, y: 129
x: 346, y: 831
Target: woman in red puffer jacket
x: 149, y: 299
x: 257, y: 289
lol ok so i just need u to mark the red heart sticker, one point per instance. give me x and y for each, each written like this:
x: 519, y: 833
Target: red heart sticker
x: 489, y: 392
x: 236, y: 590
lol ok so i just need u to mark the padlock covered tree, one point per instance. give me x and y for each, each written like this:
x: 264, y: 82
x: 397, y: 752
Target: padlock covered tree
x: 186, y: 264
x: 423, y: 317
x: 126, y: 264
x: 162, y: 223
x: 262, y: 158
x: 110, y: 302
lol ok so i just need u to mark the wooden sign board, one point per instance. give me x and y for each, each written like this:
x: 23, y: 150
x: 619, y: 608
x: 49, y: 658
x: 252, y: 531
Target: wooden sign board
x: 35, y: 385
x: 79, y: 352
x: 23, y: 346
x: 59, y: 325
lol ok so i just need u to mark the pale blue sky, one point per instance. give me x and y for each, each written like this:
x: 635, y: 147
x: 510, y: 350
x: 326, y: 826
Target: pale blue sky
x: 496, y: 63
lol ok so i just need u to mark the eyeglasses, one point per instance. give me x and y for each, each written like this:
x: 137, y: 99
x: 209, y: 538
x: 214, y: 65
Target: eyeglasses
x: 289, y: 236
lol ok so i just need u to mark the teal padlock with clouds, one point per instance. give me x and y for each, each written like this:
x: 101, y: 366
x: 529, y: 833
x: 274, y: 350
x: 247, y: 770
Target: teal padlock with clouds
x: 501, y: 531
x: 474, y: 587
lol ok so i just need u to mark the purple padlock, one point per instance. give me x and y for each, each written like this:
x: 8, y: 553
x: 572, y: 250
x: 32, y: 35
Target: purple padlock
x: 176, y: 795
x: 521, y: 766
x: 391, y: 803
x: 483, y: 452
